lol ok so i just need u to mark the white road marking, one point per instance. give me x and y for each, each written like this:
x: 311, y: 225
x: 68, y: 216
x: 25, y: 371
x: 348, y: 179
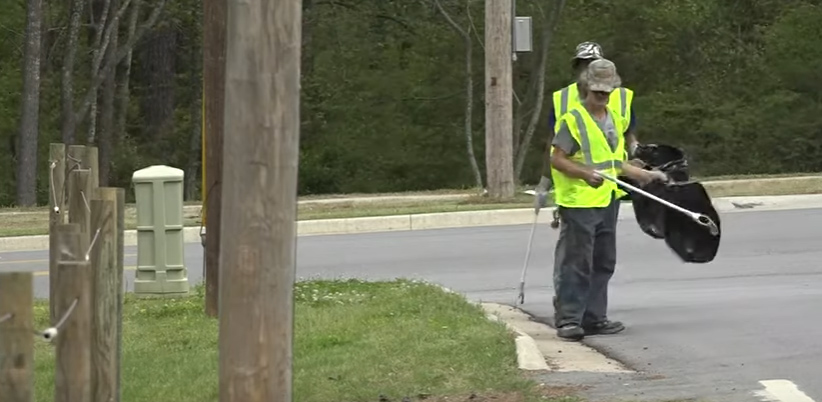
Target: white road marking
x: 781, y: 391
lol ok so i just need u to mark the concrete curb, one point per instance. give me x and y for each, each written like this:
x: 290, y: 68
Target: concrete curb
x: 538, y: 347
x: 445, y: 220
x: 528, y: 355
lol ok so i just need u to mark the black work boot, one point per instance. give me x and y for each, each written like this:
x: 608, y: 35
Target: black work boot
x: 604, y: 328
x: 571, y: 332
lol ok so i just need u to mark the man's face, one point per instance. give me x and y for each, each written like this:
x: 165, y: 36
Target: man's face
x: 581, y: 64
x: 598, y: 98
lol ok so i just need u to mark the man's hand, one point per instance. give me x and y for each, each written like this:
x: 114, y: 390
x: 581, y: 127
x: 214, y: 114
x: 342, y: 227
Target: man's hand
x: 632, y: 147
x: 656, y: 175
x: 541, y: 196
x: 593, y: 179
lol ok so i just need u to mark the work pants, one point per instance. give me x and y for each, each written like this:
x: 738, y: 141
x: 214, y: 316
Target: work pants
x: 584, y: 263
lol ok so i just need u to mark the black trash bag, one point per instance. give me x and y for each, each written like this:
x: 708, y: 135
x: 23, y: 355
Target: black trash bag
x: 669, y: 159
x: 666, y: 158
x: 650, y: 214
x: 691, y: 241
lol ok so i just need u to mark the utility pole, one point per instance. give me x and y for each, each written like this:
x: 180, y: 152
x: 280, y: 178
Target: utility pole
x: 499, y: 156
x: 261, y: 155
x: 214, y: 40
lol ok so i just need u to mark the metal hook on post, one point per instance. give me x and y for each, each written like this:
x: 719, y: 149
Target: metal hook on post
x: 6, y: 317
x: 50, y: 333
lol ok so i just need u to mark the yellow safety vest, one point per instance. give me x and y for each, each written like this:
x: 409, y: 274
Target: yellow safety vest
x: 568, y: 97
x: 594, y: 152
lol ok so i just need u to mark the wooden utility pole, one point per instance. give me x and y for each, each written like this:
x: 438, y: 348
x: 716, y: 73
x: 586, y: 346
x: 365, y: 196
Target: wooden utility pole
x: 214, y: 26
x: 499, y: 156
x: 258, y: 251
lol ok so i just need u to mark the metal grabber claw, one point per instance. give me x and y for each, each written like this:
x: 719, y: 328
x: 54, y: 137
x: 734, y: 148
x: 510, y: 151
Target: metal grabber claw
x: 701, y: 219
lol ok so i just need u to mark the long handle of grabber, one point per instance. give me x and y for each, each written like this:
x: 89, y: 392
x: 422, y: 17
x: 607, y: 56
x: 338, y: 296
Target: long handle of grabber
x: 528, y: 248
x: 668, y: 204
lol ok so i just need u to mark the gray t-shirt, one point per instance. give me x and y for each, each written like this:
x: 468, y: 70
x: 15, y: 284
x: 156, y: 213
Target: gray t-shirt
x: 564, y: 141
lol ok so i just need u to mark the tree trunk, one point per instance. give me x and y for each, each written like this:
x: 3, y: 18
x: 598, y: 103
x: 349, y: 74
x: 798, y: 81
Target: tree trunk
x: 124, y: 75
x: 158, y: 63
x: 68, y: 120
x: 29, y: 121
x: 97, y: 26
x: 107, y: 106
x: 108, y: 68
x: 469, y: 93
x: 196, y: 113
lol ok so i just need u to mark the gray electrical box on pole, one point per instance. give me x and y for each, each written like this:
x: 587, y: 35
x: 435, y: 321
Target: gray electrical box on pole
x: 523, y: 41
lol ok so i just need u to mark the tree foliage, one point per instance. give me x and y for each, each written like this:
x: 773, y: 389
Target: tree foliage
x: 737, y: 84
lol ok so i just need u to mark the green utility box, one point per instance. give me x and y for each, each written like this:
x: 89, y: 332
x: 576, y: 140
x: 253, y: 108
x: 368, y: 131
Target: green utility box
x: 161, y: 267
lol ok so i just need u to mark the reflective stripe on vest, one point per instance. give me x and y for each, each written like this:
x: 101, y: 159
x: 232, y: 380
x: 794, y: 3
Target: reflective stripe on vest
x: 594, y: 152
x: 585, y: 145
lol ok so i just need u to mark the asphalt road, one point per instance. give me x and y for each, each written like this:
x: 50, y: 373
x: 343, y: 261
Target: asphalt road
x: 708, y: 331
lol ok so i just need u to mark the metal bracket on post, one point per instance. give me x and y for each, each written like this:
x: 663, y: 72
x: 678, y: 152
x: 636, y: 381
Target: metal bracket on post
x: 521, y: 33
x: 523, y: 37
x: 203, y: 242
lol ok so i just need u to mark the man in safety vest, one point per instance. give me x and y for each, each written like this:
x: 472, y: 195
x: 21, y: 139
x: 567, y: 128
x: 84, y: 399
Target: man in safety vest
x: 590, y: 137
x: 565, y: 98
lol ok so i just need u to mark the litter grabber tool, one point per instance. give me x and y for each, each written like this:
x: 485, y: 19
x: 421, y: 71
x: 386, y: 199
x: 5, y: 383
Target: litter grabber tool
x: 521, y: 295
x: 700, y: 219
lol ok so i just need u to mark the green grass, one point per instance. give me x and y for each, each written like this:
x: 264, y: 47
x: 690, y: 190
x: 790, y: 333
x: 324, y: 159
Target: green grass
x: 354, y: 341
x: 34, y: 221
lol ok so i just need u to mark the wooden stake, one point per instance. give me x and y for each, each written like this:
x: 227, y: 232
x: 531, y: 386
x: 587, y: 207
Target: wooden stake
x: 257, y: 253
x: 57, y: 199
x: 72, y: 382
x: 107, y: 286
x: 16, y: 339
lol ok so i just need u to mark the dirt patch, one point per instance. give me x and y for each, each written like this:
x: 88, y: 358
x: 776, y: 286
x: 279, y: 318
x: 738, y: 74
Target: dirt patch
x: 495, y: 397
x: 545, y: 391
x: 560, y: 391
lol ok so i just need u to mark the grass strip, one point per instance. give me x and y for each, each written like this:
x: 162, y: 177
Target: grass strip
x: 34, y: 221
x: 355, y: 341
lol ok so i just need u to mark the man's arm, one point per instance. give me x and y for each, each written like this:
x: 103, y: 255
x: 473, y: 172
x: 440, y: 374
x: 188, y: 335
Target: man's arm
x: 641, y: 175
x: 546, y: 155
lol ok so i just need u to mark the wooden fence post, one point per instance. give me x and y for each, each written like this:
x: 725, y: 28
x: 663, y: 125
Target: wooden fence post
x: 75, y: 159
x: 80, y: 192
x: 16, y: 337
x: 107, y: 286
x: 93, y: 163
x: 57, y: 211
x: 72, y: 380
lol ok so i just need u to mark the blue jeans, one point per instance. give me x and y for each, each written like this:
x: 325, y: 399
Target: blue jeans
x: 584, y: 262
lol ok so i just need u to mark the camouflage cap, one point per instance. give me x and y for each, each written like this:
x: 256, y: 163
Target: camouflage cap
x: 601, y: 75
x: 588, y: 50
